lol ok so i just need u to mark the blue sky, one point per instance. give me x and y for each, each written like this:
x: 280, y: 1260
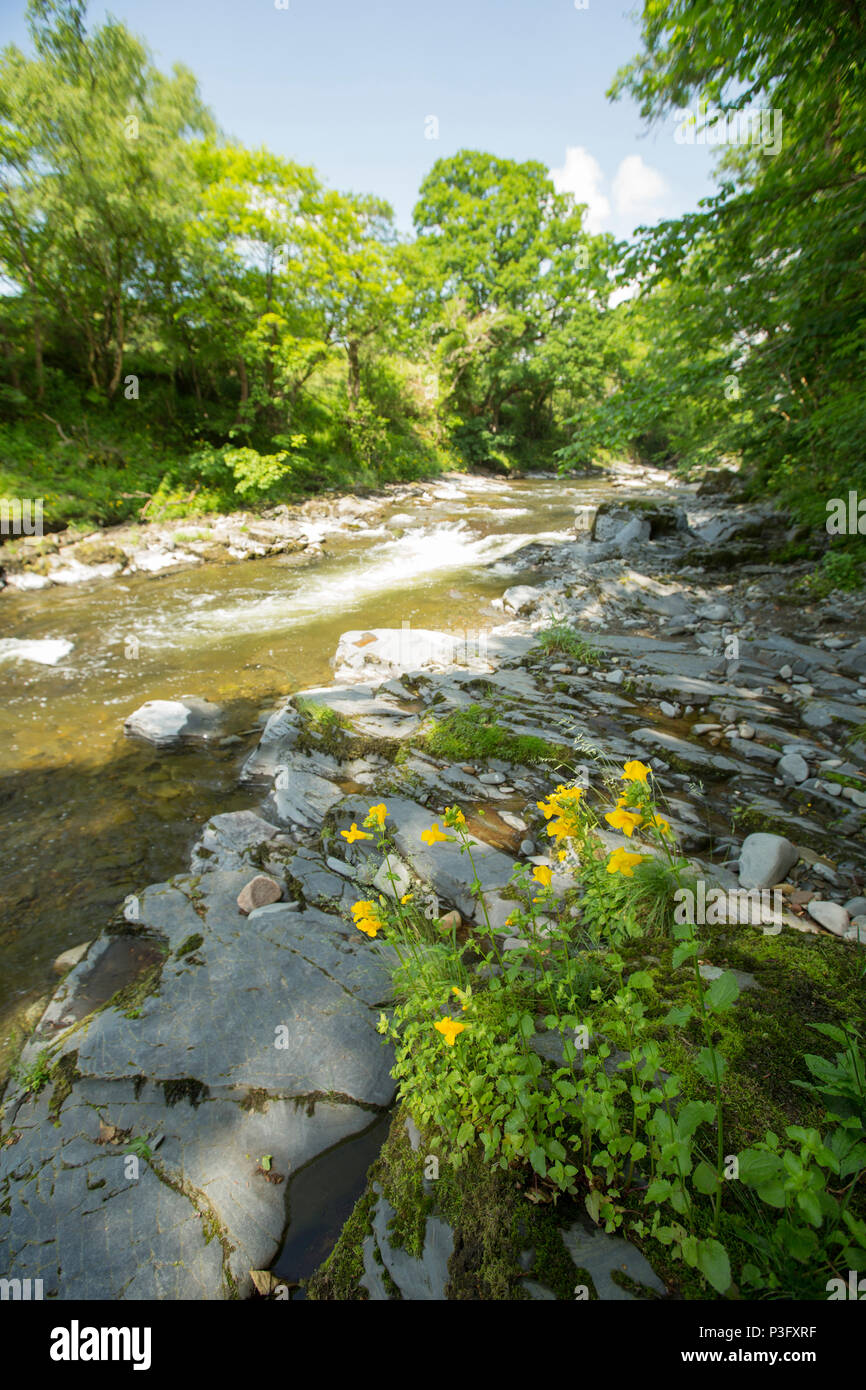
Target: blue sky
x: 349, y: 86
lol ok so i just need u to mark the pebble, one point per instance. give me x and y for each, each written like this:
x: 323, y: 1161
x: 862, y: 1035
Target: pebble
x: 793, y: 768
x: 746, y: 730
x: 670, y: 711
x: 527, y: 847
x: 830, y: 915
x: 259, y: 892
x: 67, y: 959
x: 786, y: 672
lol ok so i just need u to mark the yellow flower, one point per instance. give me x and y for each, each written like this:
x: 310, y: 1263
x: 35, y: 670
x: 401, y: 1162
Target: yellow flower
x: 454, y: 816
x: 635, y: 771
x: 405, y: 898
x: 433, y: 835
x: 569, y: 793
x: 559, y: 829
x: 661, y: 824
x: 367, y: 918
x: 355, y: 834
x: 627, y: 821
x: 621, y: 862
x: 462, y: 995
x: 542, y: 875
x: 449, y: 1028
x: 377, y: 815
x: 546, y: 808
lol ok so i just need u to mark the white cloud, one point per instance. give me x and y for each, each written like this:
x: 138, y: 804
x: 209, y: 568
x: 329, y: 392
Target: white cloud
x: 637, y: 191
x: 582, y: 175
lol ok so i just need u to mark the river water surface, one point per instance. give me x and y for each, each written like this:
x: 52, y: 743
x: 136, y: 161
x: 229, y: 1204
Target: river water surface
x: 89, y: 816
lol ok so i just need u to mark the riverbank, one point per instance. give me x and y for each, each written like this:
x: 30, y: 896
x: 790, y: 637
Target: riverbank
x: 227, y: 1051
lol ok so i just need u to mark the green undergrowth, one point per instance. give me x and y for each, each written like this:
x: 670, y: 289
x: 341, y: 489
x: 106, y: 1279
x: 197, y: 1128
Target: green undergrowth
x: 577, y: 1058
x: 472, y: 734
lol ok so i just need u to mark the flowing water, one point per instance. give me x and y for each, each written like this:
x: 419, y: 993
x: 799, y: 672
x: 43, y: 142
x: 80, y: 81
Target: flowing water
x: 89, y: 816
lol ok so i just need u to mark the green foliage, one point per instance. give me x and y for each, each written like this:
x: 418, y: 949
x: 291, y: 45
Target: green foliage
x: 839, y: 569
x: 750, y: 326
x: 472, y: 733
x: 33, y: 1078
x: 561, y: 637
x: 539, y: 1047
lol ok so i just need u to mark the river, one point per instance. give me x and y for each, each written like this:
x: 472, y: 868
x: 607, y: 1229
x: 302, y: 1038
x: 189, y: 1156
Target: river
x: 89, y: 816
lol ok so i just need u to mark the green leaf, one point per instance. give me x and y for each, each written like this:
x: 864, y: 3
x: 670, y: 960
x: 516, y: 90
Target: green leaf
x: 641, y: 979
x: 713, y: 1262
x: 722, y: 993
x: 704, y: 1064
x: 757, y: 1167
x: 539, y: 1161
x: 692, y: 1114
x: 683, y: 952
x: 678, y: 1015
x: 705, y: 1180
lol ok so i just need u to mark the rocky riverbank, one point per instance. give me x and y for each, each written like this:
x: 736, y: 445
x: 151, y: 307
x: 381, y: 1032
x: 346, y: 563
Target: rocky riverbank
x: 221, y: 1033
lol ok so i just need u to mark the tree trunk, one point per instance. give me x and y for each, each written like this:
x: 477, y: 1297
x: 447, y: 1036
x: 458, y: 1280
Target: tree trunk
x: 354, y: 378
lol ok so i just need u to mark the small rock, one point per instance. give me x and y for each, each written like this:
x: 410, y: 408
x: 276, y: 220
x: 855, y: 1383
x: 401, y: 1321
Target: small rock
x: 452, y: 921
x: 785, y: 672
x: 527, y: 847
x: 856, y: 907
x: 264, y: 1281
x: 793, y: 768
x: 852, y: 794
x: 492, y: 779
x: 259, y: 892
x: 829, y: 915
x: 765, y: 859
x: 67, y: 959
x: 615, y: 677
x: 746, y: 730
x: 668, y: 710
x: 857, y: 931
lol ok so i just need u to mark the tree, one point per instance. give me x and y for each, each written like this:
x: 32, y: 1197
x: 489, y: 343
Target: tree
x: 514, y: 296
x: 779, y: 251
x: 95, y: 181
